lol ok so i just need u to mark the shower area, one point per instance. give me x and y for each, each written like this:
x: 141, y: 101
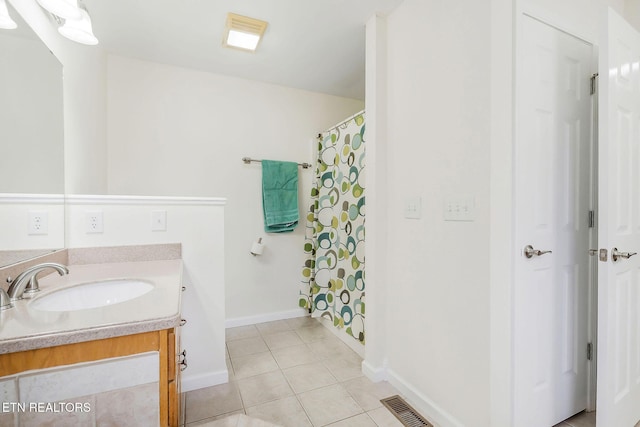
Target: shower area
x: 333, y: 275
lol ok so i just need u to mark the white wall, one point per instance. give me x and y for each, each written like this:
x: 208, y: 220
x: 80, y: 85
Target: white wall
x: 501, y: 217
x: 14, y: 214
x: 31, y: 122
x: 632, y: 12
x: 84, y: 102
x: 174, y: 131
x: 438, y: 133
x: 199, y: 226
x: 376, y: 242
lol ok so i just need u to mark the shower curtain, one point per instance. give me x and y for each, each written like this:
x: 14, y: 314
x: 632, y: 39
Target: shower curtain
x: 333, y: 274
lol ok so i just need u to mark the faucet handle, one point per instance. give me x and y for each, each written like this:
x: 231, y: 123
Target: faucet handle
x: 5, y: 301
x: 32, y: 287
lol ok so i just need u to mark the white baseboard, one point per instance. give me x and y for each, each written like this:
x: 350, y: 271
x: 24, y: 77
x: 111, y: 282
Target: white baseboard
x: 422, y: 403
x: 209, y: 379
x: 267, y: 317
x: 375, y: 374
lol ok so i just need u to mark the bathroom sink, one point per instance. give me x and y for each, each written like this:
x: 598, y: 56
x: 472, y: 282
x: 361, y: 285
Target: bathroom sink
x: 92, y: 295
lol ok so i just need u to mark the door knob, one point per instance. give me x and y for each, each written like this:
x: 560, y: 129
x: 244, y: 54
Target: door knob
x: 529, y: 252
x: 615, y: 254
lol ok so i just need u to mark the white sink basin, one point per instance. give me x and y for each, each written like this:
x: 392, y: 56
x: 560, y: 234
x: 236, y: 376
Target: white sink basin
x: 92, y: 295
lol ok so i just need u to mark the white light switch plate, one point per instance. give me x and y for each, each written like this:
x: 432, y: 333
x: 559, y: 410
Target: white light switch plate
x: 459, y: 207
x: 159, y: 221
x: 412, y: 208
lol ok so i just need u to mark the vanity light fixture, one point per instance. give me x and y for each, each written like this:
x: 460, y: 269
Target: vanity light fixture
x: 6, y: 23
x: 79, y: 30
x: 242, y: 32
x: 65, y: 9
x: 73, y: 19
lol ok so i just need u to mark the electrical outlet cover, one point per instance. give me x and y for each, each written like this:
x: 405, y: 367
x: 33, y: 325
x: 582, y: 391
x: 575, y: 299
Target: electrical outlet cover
x: 38, y: 223
x: 94, y: 222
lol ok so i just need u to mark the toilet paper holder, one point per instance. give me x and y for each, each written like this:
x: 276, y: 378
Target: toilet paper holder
x: 257, y: 247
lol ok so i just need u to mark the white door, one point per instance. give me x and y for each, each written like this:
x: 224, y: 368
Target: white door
x: 618, y: 401
x: 553, y: 196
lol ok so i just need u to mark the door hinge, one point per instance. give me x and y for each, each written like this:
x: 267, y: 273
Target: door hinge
x: 592, y: 219
x: 594, y: 83
x: 589, y: 351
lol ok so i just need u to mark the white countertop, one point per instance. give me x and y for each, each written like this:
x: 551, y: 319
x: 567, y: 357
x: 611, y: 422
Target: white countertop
x: 25, y: 328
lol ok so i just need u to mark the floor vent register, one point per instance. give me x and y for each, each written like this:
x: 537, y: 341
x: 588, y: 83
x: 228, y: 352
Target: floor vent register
x: 404, y: 412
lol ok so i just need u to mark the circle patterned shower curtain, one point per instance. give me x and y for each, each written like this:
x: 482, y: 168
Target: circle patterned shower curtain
x: 333, y: 275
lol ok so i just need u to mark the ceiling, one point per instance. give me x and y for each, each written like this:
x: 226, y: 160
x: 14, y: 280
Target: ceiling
x: 316, y: 45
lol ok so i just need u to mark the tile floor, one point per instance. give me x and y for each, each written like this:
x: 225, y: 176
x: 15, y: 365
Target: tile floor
x: 296, y: 373
x: 583, y: 419
x: 291, y: 373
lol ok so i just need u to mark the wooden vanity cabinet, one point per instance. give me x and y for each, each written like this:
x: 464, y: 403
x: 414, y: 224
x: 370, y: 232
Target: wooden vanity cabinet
x: 165, y: 341
x: 174, y: 377
x: 172, y: 382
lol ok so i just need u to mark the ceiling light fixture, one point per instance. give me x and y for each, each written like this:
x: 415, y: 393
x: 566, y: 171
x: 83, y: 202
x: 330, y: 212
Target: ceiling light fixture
x: 242, y: 32
x: 65, y: 9
x: 79, y: 30
x: 6, y: 23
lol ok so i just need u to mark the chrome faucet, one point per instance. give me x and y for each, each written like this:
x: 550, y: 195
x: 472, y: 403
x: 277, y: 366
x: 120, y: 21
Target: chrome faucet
x: 5, y: 302
x: 26, y: 282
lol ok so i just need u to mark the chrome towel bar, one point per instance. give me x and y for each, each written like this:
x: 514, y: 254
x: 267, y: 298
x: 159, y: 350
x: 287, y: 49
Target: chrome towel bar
x: 248, y: 160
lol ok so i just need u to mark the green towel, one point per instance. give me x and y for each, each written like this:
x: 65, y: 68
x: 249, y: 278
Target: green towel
x: 279, y: 196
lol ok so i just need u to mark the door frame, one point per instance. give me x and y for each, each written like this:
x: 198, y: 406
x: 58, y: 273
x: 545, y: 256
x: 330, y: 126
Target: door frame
x: 521, y: 11
x: 593, y: 243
